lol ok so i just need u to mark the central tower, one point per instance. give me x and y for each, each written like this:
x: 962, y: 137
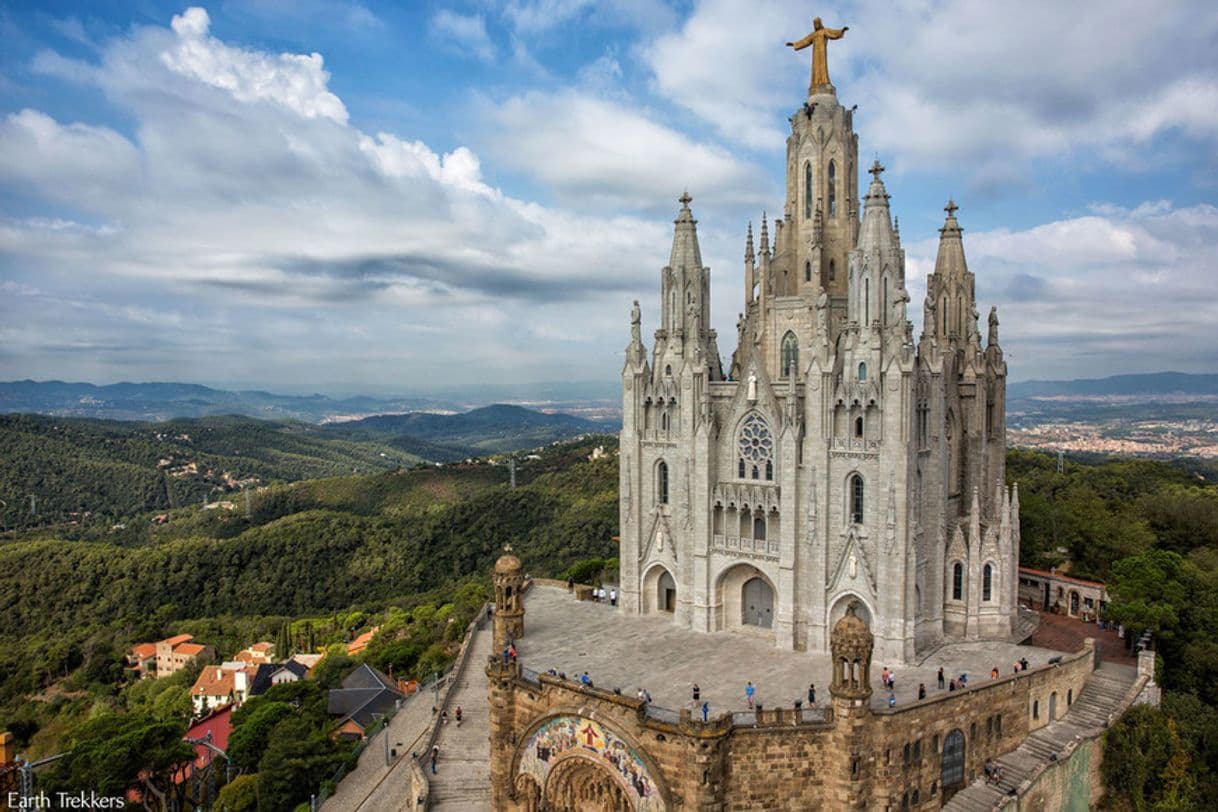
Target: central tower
x: 835, y: 463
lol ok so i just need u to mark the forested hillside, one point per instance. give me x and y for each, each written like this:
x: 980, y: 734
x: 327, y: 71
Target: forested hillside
x: 350, y: 545
x: 114, y: 470
x: 84, y: 475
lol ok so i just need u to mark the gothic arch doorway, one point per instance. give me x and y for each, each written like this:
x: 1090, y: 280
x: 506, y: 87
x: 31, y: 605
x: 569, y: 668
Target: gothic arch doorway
x: 746, y: 598
x: 666, y: 593
x: 1053, y: 706
x: 659, y: 590
x: 577, y: 784
x: 758, y: 603
x: 577, y: 763
x: 951, y: 774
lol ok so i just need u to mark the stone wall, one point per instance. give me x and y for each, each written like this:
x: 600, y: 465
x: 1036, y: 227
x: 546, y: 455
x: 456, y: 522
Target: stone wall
x: 780, y: 758
x: 994, y: 715
x: 1073, y: 783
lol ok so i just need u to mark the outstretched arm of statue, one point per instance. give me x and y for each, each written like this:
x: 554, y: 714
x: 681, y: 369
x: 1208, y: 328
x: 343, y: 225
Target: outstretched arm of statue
x: 836, y: 33
x: 803, y: 43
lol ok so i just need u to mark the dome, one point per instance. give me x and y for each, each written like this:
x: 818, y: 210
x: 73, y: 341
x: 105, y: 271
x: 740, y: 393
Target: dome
x: 850, y: 633
x: 507, y: 564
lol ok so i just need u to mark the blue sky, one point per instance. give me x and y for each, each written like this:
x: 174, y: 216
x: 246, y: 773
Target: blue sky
x: 335, y: 196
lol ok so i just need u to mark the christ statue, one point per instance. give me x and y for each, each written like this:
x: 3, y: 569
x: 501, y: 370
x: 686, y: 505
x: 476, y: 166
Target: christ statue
x: 819, y: 40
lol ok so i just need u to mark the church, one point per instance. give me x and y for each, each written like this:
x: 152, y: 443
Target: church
x: 832, y: 459
x: 829, y: 497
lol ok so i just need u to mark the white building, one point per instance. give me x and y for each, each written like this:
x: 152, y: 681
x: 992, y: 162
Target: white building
x: 834, y: 458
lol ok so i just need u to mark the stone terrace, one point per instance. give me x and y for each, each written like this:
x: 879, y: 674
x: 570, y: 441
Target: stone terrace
x: 628, y: 652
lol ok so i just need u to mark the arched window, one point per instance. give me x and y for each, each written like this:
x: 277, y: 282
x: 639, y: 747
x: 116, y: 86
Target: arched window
x: 759, y: 528
x: 807, y: 271
x: 987, y: 580
x: 856, y: 499
x: 664, y: 420
x: 1036, y: 709
x: 867, y: 300
x: 662, y: 482
x: 790, y: 355
x: 740, y: 468
x: 668, y: 370
x: 832, y: 270
x: 858, y: 427
x: 769, y: 470
x: 808, y: 190
x: 952, y: 769
x: 957, y: 581
x: 862, y: 371
x: 832, y: 189
x: 756, y: 472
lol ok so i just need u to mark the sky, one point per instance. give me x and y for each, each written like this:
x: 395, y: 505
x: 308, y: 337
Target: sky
x: 341, y: 197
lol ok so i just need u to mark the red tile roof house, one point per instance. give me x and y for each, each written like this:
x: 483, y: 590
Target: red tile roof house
x: 219, y: 685
x: 175, y: 653
x: 142, y: 659
x: 256, y: 654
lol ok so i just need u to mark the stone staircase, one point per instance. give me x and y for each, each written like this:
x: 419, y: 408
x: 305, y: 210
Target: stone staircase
x: 1103, y: 698
x: 463, y: 778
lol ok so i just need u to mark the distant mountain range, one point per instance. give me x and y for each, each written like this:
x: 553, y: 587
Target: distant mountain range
x: 165, y: 401
x: 1153, y: 384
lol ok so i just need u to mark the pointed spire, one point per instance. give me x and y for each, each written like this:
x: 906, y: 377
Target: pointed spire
x: 748, y: 245
x: 950, y: 261
x: 875, y: 232
x: 765, y: 235
x: 685, y: 250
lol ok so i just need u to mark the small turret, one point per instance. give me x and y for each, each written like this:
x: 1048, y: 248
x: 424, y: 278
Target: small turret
x: 765, y: 236
x: 851, y: 643
x: 509, y: 600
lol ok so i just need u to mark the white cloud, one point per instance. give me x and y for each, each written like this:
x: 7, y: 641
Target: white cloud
x: 76, y: 163
x: 296, y: 81
x: 465, y: 33
x: 246, y: 212
x: 597, y: 153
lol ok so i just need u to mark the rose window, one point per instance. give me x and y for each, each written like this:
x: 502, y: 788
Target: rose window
x: 756, y: 450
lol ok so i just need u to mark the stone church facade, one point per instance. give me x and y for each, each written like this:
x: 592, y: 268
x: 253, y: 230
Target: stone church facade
x: 833, y: 458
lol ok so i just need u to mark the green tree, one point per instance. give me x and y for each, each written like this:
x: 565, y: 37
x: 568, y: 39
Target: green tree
x: 1147, y: 592
x: 1146, y: 764
x: 298, y: 758
x: 249, y: 735
x: 113, y: 752
x: 239, y: 795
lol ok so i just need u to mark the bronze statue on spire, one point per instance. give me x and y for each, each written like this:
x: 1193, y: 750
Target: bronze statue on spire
x: 819, y: 40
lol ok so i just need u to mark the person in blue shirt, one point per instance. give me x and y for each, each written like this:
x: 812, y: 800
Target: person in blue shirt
x: 748, y: 693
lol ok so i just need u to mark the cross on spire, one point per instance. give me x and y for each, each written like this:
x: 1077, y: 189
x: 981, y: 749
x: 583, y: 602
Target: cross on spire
x: 951, y: 208
x: 684, y: 199
x: 876, y: 169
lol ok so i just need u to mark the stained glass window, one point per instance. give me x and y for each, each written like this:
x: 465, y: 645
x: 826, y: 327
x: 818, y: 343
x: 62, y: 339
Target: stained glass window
x: 757, y: 446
